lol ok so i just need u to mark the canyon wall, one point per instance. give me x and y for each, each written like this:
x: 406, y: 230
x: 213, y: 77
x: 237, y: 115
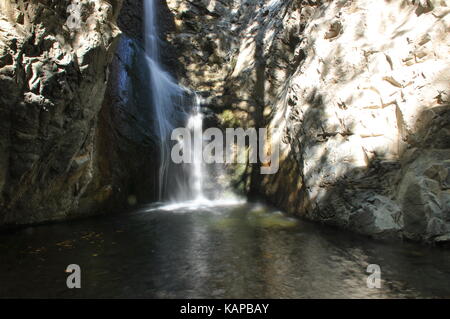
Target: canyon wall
x: 356, y: 94
x: 53, y: 75
x: 127, y: 157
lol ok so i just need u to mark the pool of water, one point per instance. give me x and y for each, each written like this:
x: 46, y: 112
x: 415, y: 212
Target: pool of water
x: 230, y: 251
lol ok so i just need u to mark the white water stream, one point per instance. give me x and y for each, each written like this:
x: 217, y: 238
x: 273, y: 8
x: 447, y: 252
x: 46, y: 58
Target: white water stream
x: 185, y: 186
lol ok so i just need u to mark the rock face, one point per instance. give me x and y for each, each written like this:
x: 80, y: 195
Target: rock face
x: 53, y: 73
x: 127, y: 160
x: 356, y: 94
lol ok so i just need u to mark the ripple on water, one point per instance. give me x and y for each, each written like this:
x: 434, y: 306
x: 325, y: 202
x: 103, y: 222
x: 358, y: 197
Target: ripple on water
x: 219, y: 250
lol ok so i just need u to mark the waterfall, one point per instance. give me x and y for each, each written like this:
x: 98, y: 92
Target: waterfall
x: 175, y: 106
x: 163, y: 89
x: 195, y: 125
x: 167, y: 96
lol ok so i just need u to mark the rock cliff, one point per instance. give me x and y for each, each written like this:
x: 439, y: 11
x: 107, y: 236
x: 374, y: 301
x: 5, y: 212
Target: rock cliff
x: 356, y: 94
x: 54, y: 58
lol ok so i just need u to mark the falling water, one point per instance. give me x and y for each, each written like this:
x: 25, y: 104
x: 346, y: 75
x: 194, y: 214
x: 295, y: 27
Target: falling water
x: 195, y: 125
x: 175, y: 106
x: 163, y: 90
x: 165, y: 93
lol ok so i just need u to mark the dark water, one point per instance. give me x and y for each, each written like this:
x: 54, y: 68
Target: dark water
x: 222, y: 252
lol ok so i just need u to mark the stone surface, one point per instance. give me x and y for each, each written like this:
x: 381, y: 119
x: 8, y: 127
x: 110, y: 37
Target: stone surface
x: 356, y: 94
x: 126, y: 159
x: 52, y: 84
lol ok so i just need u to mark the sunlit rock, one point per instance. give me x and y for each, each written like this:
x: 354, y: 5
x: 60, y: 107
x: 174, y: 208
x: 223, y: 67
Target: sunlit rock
x: 359, y: 91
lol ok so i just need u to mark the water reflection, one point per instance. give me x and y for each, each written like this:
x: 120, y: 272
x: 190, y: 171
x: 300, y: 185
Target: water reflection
x: 237, y: 251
